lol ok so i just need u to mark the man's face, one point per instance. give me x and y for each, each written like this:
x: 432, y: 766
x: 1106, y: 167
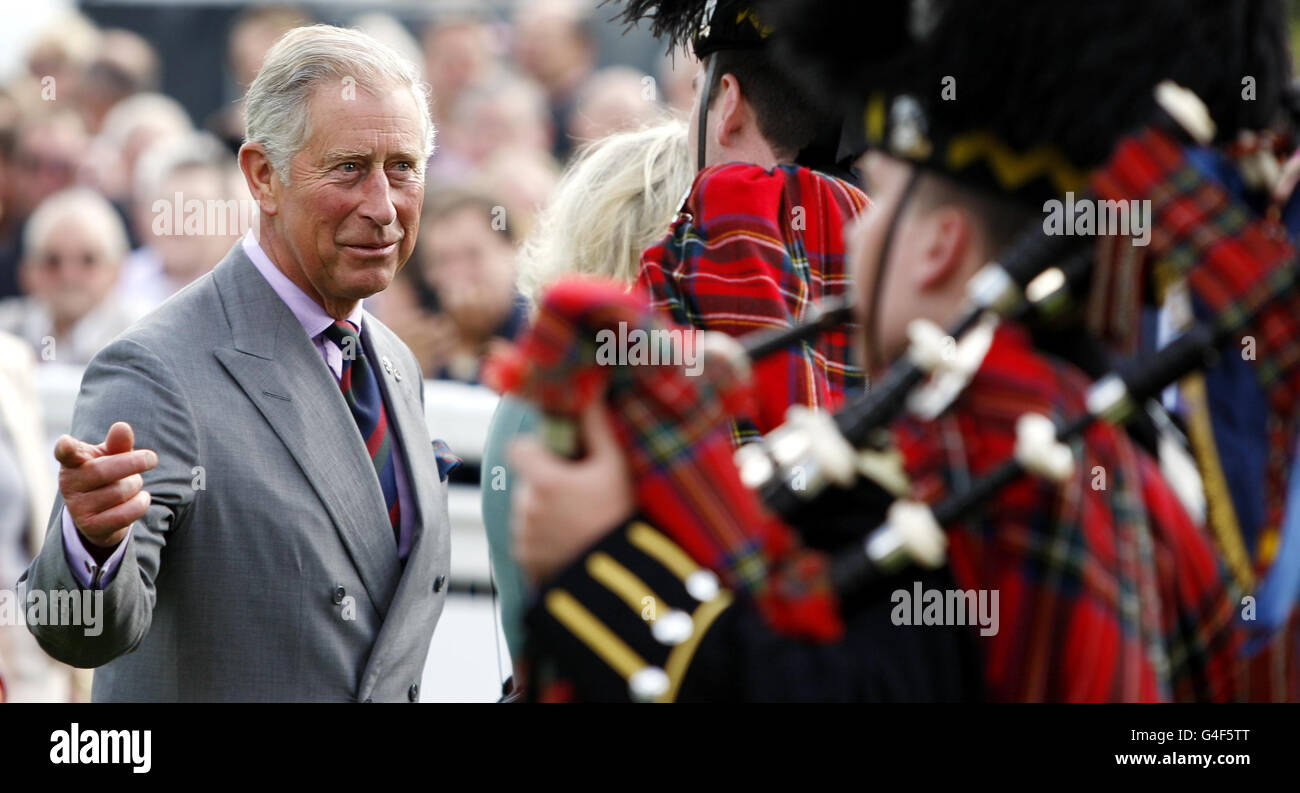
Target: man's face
x: 188, y: 256
x: 350, y: 216
x: 72, y: 274
x: 47, y: 161
x: 471, y: 266
x: 500, y: 123
x: 549, y: 45
x: 456, y: 55
x: 898, y: 303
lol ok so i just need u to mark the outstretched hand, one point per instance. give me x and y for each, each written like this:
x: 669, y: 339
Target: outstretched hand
x: 101, y: 483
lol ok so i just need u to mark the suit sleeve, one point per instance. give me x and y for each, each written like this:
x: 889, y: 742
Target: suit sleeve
x: 636, y: 619
x: 124, y: 382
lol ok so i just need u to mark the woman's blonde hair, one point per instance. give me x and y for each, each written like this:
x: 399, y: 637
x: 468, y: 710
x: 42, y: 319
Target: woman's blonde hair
x: 617, y: 199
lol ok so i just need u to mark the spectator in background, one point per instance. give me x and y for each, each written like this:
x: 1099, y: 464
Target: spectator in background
x: 508, y: 112
x: 126, y: 64
x: 47, y: 156
x: 62, y: 52
x: 251, y: 36
x: 613, y: 202
x: 11, y: 114
x: 461, y: 296
x: 386, y: 29
x: 616, y: 99
x: 26, y: 496
x: 189, y: 178
x: 74, y: 244
x: 524, y: 179
x: 460, y: 53
x: 554, y: 45
x: 676, y: 84
x: 131, y: 128
x: 460, y: 58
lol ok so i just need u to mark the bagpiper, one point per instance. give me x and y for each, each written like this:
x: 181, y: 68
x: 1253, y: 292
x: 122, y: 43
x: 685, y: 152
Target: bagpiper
x: 758, y: 242
x: 973, y: 120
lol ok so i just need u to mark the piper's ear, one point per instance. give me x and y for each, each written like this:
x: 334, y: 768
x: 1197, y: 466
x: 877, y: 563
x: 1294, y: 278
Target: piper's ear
x: 946, y: 234
x: 260, y: 176
x: 731, y: 109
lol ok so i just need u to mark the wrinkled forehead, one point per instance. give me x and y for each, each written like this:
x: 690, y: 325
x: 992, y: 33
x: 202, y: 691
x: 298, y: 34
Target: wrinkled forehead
x: 345, y: 118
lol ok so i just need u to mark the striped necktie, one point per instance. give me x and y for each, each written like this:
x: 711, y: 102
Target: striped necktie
x: 361, y: 391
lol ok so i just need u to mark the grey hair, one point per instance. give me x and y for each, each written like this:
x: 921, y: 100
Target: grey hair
x: 86, y: 206
x: 275, y: 106
x: 618, y: 198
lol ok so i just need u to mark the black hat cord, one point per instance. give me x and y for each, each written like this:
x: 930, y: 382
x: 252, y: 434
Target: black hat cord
x: 701, y: 131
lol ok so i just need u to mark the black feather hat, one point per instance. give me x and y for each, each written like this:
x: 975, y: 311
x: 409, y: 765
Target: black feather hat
x: 1023, y: 96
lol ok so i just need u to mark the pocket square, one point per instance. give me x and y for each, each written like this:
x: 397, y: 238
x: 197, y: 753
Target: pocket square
x: 447, y: 462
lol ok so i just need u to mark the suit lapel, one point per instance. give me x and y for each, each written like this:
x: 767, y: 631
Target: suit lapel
x: 284, y: 375
x: 406, y: 412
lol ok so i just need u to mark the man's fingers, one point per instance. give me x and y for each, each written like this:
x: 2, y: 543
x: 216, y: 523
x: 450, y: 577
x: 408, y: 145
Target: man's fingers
x: 598, y: 430
x: 102, y: 526
x: 71, y: 452
x: 120, y: 438
x: 106, y: 497
x: 101, y: 471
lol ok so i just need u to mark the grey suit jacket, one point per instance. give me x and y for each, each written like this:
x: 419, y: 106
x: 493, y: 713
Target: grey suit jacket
x: 266, y: 511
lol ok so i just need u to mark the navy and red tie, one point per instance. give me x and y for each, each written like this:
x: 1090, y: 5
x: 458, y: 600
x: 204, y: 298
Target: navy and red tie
x: 361, y: 391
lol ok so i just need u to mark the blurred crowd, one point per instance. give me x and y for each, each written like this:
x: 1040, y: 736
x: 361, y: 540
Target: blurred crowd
x: 113, y: 198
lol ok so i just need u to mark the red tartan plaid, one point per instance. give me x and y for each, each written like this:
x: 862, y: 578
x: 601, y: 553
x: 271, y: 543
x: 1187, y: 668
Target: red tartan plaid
x: 675, y: 431
x: 756, y: 249
x: 1235, y: 263
x: 1108, y: 591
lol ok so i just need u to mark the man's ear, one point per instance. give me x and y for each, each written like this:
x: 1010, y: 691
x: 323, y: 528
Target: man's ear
x: 260, y: 175
x: 732, y: 111
x: 947, y: 236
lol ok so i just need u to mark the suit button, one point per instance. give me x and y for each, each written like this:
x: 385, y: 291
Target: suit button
x: 414, y: 693
x: 438, y: 583
x: 339, y: 593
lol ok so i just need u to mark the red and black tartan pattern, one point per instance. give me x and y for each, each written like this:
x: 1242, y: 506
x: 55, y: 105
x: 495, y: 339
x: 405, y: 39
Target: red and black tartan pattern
x: 754, y: 249
x: 1108, y: 591
x: 675, y: 431
x: 1235, y: 262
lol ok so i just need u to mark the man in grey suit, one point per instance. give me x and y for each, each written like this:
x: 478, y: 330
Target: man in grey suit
x: 282, y: 531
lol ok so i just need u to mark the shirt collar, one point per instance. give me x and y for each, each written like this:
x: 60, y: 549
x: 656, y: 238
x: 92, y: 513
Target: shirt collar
x: 307, y: 311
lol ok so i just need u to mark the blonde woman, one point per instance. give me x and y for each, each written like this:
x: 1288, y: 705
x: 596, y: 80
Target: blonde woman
x: 617, y: 199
